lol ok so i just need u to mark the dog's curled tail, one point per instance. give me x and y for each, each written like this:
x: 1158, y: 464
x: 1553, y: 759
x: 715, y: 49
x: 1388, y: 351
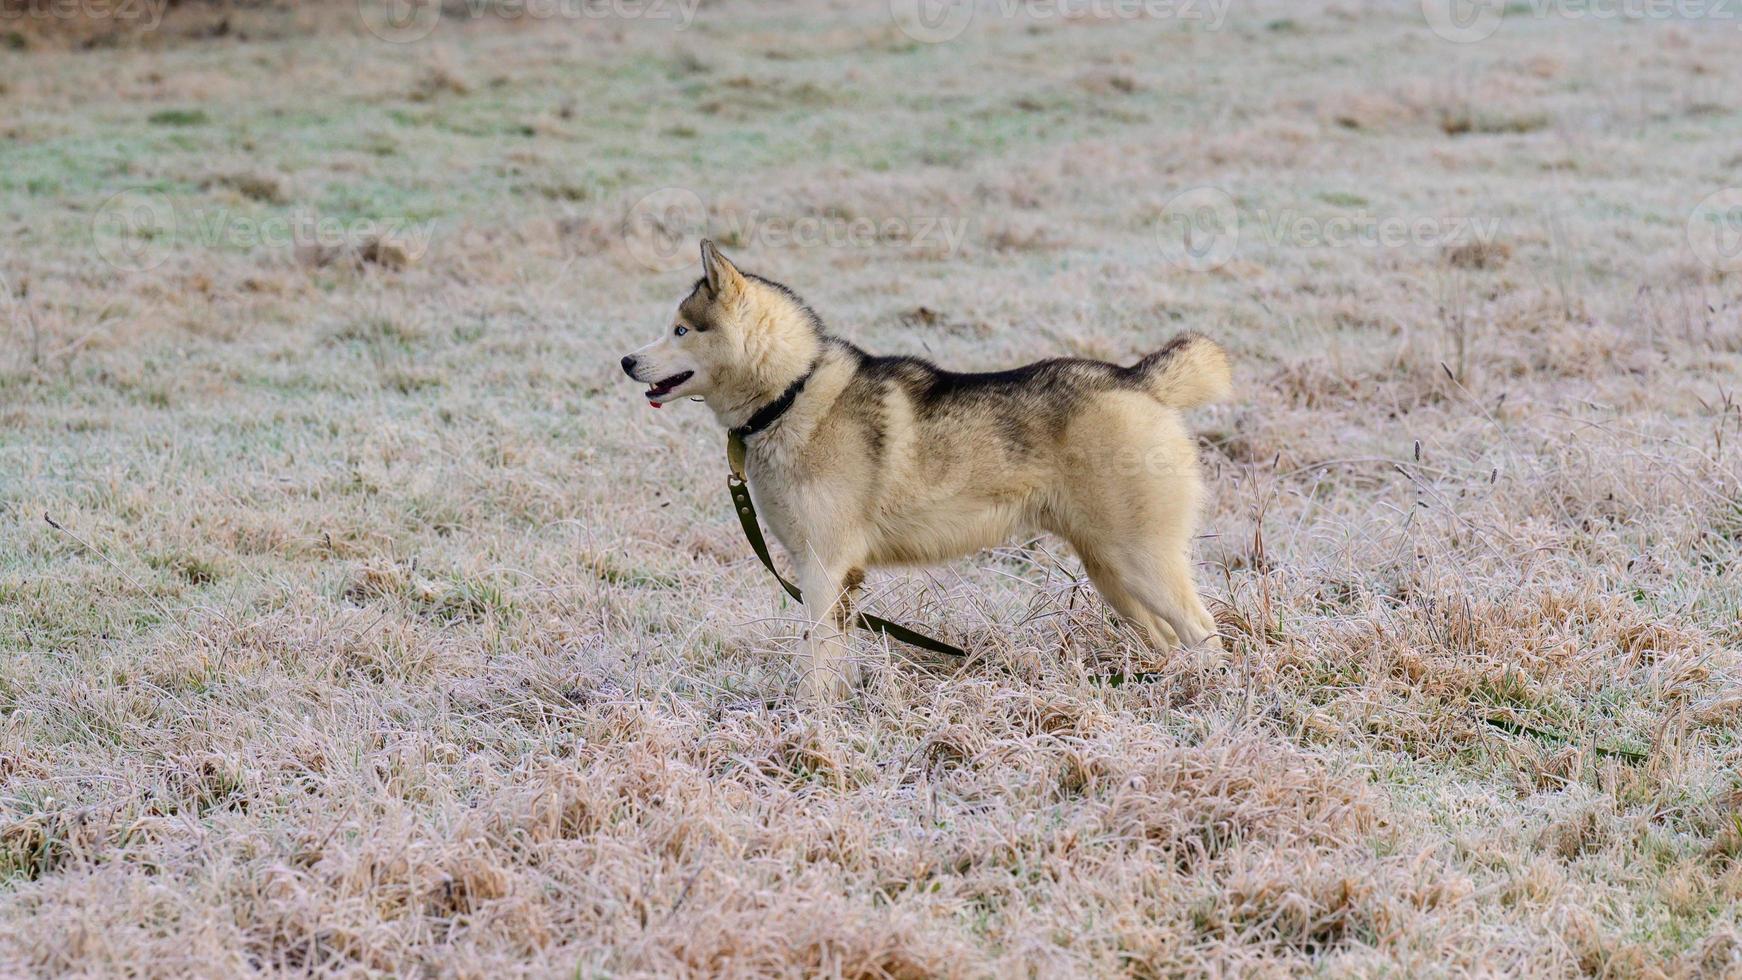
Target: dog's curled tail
x: 1191, y: 370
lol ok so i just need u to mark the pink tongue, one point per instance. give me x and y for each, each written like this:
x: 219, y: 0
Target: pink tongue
x: 654, y: 403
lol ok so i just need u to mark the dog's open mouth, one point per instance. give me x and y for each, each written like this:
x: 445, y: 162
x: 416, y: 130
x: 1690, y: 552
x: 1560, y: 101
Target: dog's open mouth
x: 663, y: 388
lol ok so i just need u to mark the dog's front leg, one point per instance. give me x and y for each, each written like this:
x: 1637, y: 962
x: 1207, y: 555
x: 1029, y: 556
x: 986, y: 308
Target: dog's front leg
x: 831, y: 670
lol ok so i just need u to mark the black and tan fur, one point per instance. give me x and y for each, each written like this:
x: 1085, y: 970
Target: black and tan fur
x: 892, y: 460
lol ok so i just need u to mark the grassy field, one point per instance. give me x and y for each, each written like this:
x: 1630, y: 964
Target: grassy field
x: 381, y: 628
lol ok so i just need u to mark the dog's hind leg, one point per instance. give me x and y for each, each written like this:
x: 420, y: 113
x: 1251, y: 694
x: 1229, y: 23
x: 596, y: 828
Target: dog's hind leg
x: 1107, y: 582
x: 1164, y: 586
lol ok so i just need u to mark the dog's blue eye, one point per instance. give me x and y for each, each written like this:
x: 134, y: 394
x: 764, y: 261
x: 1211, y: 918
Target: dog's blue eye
x: 680, y: 331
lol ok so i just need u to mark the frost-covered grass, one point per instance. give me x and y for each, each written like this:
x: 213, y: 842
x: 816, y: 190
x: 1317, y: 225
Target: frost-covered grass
x: 387, y: 630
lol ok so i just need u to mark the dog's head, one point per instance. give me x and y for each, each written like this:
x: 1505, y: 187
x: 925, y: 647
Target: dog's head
x: 732, y: 338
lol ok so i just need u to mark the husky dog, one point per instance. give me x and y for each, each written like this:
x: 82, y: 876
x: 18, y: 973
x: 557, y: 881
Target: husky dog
x: 857, y: 461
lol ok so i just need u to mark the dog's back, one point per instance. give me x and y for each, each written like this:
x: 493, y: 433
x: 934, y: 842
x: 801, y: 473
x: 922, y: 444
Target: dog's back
x: 956, y: 461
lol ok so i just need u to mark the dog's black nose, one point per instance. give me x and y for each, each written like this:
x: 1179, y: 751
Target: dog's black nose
x: 629, y: 365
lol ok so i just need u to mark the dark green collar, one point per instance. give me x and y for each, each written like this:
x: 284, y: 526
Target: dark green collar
x: 770, y: 413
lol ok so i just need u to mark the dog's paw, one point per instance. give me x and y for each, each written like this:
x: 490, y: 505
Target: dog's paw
x: 828, y: 684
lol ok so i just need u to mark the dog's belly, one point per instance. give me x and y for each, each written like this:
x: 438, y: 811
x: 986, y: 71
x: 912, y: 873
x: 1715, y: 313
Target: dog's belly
x: 940, y: 533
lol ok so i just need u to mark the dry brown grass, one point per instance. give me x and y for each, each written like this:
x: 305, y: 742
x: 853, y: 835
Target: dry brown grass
x: 389, y: 633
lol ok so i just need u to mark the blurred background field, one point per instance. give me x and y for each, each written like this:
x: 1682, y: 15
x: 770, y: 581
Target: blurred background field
x: 385, y: 630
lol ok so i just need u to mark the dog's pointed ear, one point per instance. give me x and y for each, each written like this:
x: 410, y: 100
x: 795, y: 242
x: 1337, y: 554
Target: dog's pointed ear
x: 724, y: 279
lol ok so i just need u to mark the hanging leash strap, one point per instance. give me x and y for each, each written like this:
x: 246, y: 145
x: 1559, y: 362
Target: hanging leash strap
x: 735, y: 454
